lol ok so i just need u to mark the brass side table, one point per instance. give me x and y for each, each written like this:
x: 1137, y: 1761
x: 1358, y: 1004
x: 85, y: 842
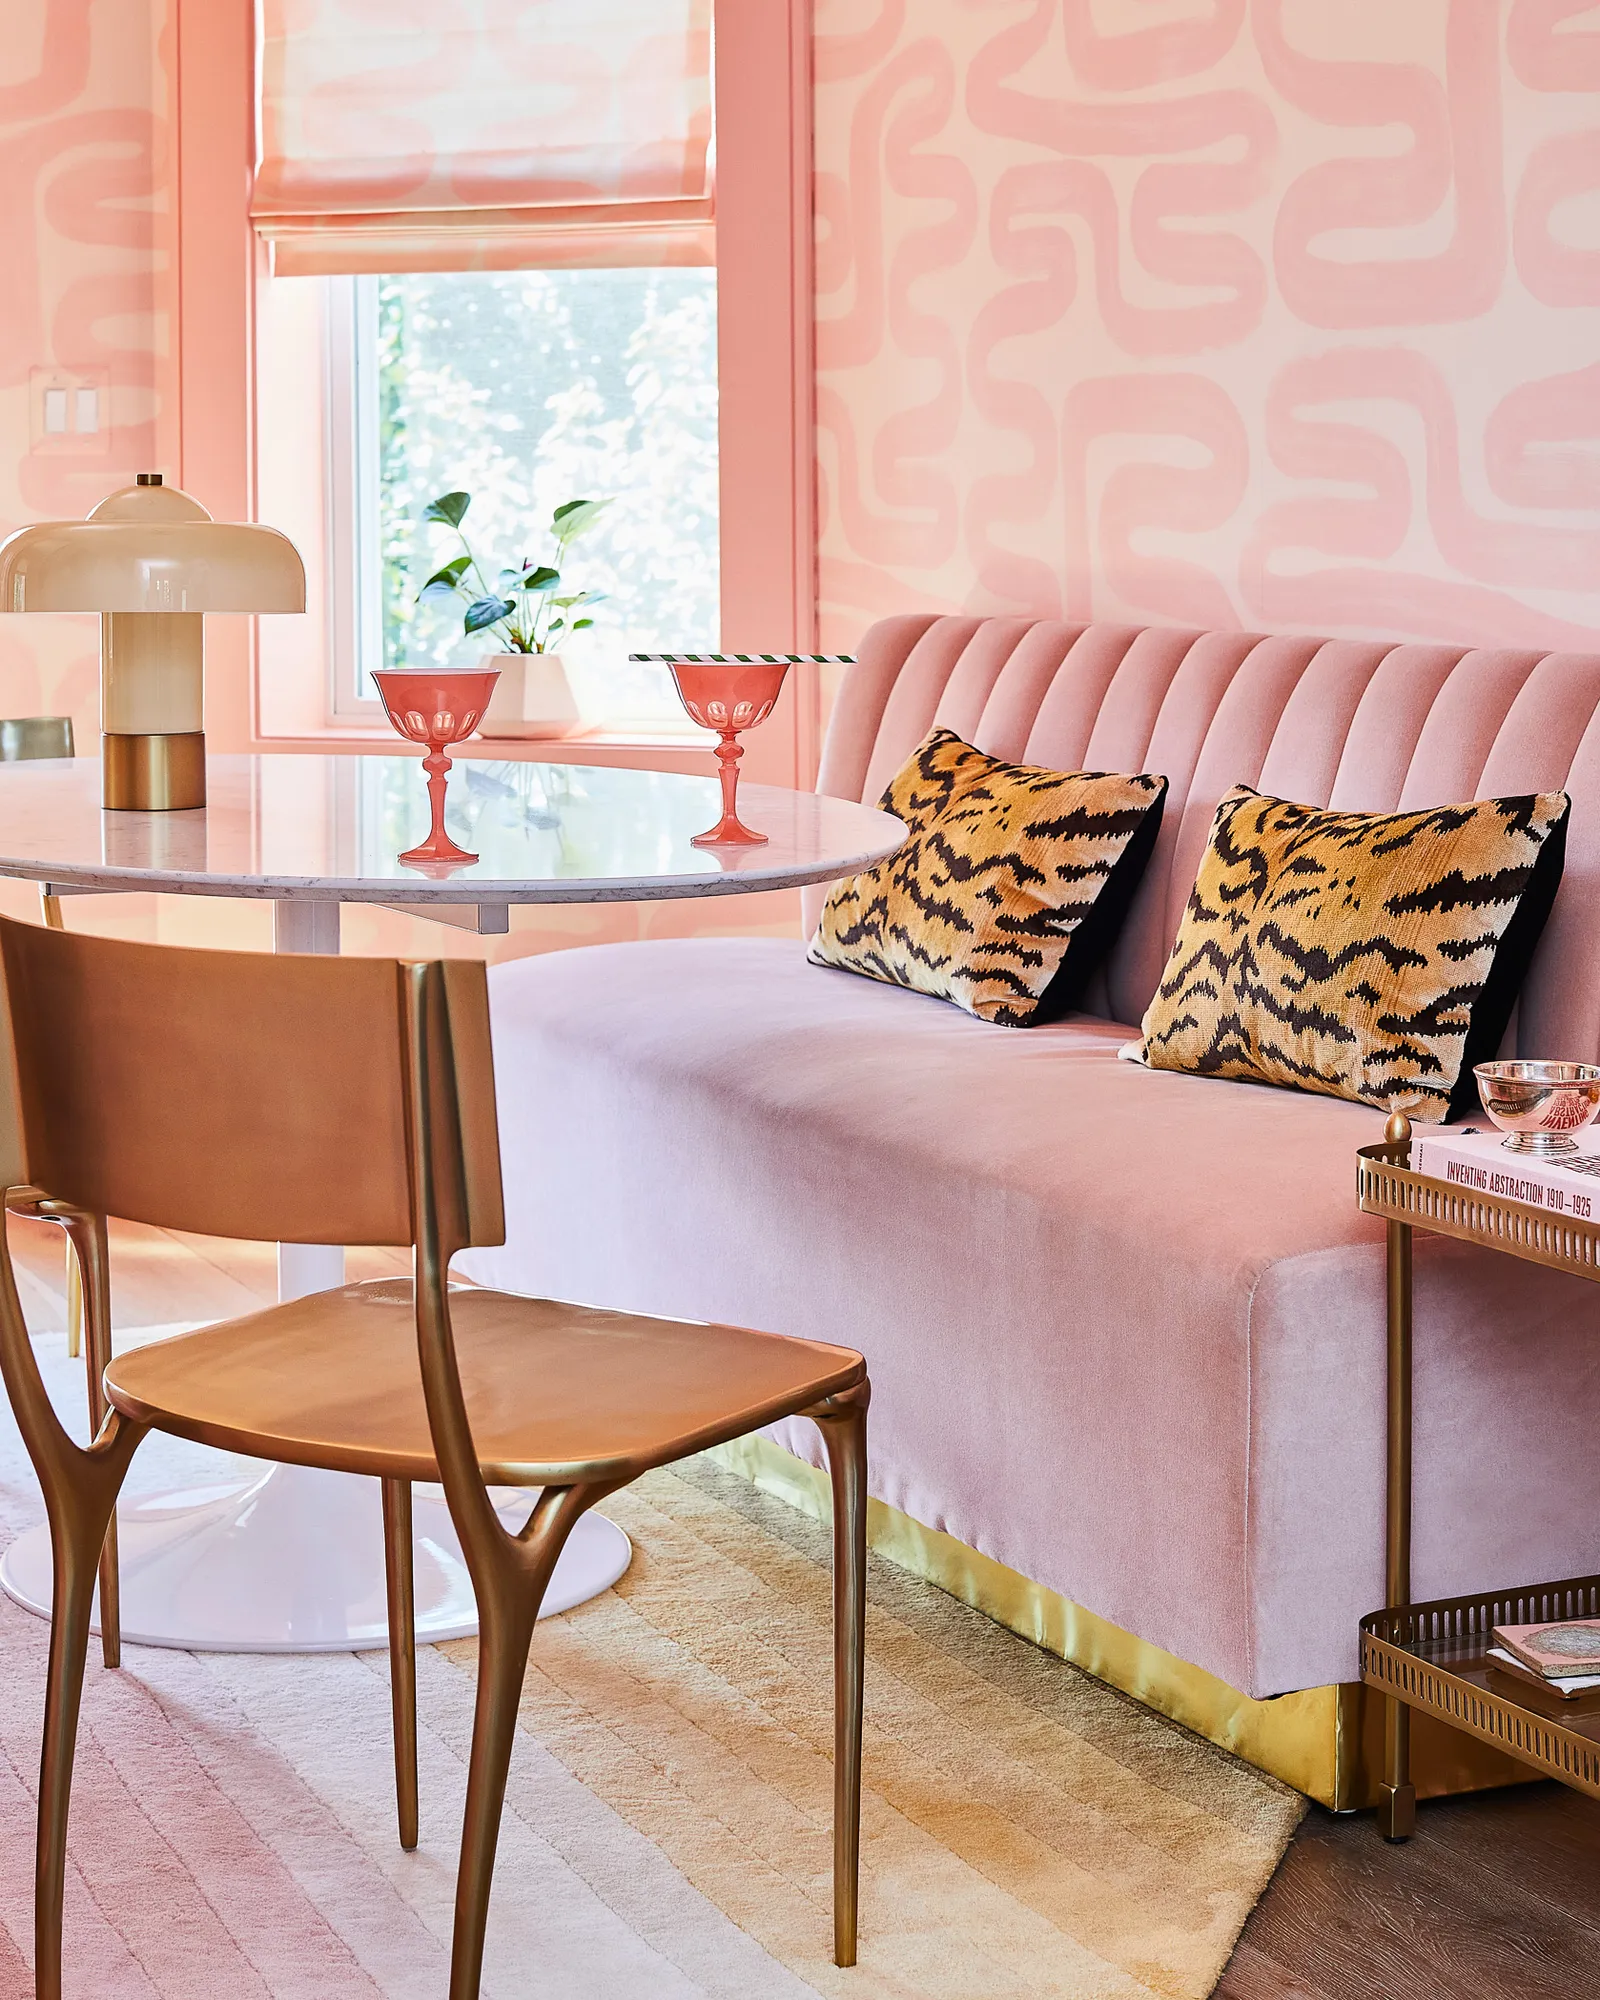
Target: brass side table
x: 1434, y: 1656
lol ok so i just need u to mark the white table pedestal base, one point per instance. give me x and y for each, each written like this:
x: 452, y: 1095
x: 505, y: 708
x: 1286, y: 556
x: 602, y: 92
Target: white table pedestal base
x: 292, y: 1562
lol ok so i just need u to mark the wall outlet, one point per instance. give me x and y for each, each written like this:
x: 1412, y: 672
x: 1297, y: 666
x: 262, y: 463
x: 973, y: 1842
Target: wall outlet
x: 69, y: 411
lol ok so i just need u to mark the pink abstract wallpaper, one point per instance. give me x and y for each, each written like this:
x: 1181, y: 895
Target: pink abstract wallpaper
x: 84, y: 246
x: 1267, y: 313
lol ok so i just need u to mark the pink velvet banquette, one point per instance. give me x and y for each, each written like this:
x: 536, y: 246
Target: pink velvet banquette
x: 1125, y: 1329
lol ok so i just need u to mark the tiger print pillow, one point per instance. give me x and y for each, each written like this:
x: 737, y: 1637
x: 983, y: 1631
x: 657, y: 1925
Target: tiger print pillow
x: 1009, y: 888
x: 1373, y: 956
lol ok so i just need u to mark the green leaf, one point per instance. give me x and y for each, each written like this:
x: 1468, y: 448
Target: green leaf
x: 487, y: 611
x: 576, y: 518
x: 556, y: 625
x: 581, y: 624
x: 449, y: 508
x: 448, y: 577
x: 542, y: 578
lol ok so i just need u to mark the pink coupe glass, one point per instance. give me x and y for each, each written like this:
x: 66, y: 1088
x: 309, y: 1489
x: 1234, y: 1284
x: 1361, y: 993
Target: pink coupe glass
x: 728, y: 697
x: 437, y: 709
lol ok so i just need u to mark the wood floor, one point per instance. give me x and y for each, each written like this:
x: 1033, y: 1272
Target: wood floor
x: 1498, y: 1896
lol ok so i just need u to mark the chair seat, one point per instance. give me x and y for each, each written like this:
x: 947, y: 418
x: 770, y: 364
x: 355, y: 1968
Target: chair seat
x: 556, y: 1393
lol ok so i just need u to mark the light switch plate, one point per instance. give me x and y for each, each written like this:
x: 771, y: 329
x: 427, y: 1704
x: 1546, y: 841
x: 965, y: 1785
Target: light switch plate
x: 69, y: 411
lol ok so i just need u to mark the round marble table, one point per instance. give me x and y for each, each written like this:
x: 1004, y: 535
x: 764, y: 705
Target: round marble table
x: 284, y: 1558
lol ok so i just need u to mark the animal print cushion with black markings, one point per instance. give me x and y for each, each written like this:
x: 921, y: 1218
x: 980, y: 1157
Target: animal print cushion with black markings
x: 1009, y: 888
x: 1374, y: 956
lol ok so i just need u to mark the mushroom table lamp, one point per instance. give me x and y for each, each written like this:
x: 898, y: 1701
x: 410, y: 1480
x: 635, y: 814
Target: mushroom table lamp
x: 152, y: 562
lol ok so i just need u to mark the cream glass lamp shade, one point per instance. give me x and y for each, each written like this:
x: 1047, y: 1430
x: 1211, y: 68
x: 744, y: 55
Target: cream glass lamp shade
x: 152, y: 561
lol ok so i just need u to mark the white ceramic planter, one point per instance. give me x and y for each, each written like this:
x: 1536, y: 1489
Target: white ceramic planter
x: 532, y: 697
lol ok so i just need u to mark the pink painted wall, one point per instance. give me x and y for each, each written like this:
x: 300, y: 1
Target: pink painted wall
x: 1279, y: 315
x: 85, y: 245
x: 1284, y: 314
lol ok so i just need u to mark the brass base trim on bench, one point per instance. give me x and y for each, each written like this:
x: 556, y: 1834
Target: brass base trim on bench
x: 1326, y: 1741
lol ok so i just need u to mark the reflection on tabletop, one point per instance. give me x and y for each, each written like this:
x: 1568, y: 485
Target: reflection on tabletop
x: 291, y: 823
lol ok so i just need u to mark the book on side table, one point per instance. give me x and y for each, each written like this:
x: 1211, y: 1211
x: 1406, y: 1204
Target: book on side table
x: 1477, y: 1161
x: 1563, y: 1657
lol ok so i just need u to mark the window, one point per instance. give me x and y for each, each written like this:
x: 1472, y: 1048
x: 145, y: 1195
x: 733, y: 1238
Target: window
x: 526, y: 389
x: 350, y: 185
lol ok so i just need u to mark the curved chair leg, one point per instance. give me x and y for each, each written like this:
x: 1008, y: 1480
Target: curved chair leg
x: 504, y: 1636
x: 510, y: 1591
x: 843, y: 1423
x: 86, y: 1234
x: 80, y: 1495
x: 77, y: 1535
x: 402, y: 1650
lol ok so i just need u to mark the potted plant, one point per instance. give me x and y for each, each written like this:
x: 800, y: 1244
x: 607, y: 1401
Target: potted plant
x: 527, y: 613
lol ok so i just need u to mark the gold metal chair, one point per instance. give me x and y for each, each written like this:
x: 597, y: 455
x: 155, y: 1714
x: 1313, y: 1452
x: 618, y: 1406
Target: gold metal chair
x: 329, y: 1100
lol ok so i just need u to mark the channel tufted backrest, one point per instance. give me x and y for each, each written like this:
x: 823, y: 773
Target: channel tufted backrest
x: 1359, y: 724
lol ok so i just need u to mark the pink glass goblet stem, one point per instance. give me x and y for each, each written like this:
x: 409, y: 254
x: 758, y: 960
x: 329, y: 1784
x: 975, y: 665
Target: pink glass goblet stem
x: 438, y: 846
x: 730, y: 830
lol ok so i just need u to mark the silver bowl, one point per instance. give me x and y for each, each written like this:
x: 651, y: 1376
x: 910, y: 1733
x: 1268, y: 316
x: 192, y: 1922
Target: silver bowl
x: 1540, y: 1105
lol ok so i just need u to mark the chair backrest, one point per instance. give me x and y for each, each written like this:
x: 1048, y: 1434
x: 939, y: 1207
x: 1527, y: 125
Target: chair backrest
x: 27, y: 736
x: 1362, y: 725
x: 240, y: 1094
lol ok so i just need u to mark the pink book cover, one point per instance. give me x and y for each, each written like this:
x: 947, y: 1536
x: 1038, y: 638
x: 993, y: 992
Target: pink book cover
x: 1568, y: 1183
x: 1566, y: 1646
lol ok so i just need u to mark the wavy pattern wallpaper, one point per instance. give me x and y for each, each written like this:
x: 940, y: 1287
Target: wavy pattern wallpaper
x: 84, y: 224
x: 1277, y: 314
x: 1274, y: 313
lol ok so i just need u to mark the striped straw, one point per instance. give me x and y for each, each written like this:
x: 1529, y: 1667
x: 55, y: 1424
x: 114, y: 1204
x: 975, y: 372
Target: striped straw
x: 751, y: 659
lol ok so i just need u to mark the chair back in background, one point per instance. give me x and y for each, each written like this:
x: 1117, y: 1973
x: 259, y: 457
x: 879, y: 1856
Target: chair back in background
x: 24, y: 737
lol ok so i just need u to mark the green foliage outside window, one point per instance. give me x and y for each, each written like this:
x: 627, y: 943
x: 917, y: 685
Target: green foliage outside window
x: 524, y: 388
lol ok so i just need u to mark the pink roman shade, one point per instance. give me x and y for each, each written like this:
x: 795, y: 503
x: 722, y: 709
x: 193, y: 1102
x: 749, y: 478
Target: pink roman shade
x: 483, y: 134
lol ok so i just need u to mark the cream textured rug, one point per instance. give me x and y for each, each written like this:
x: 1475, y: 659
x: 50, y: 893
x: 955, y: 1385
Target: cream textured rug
x: 1026, y: 1831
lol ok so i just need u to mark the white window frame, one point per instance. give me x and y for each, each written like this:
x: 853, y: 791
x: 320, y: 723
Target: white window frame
x: 350, y: 482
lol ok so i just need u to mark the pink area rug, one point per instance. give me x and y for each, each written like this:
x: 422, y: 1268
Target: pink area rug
x: 1026, y: 1831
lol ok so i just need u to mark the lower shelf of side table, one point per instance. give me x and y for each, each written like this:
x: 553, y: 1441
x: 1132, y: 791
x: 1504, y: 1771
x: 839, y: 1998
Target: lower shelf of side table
x: 1435, y: 1657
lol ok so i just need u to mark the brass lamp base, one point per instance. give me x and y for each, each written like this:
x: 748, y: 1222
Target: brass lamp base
x: 153, y: 773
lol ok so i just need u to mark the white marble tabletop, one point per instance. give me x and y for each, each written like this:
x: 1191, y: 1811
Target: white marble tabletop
x: 328, y: 828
